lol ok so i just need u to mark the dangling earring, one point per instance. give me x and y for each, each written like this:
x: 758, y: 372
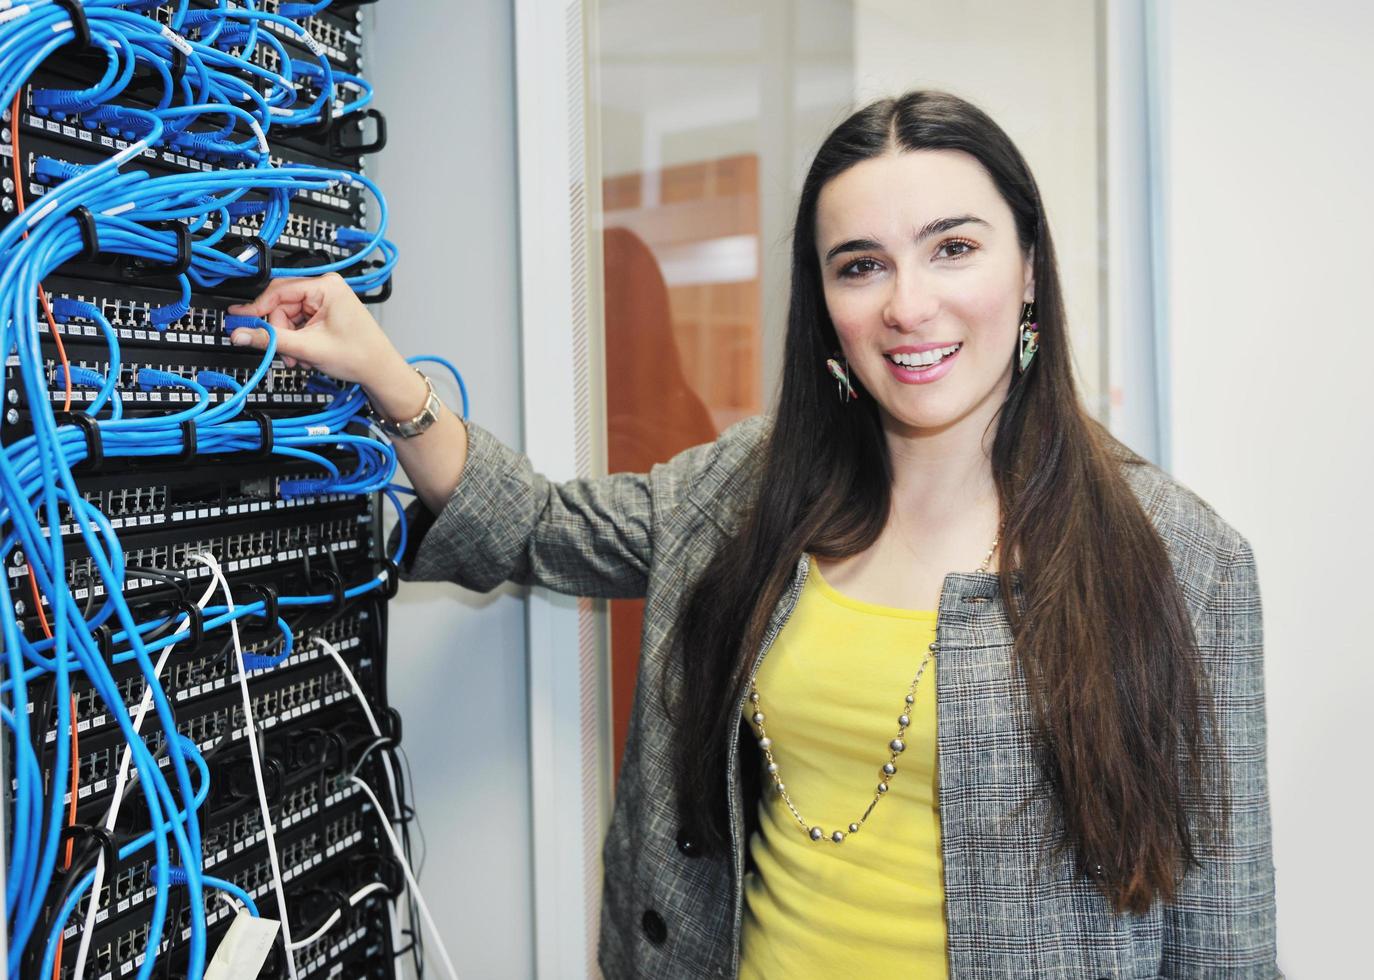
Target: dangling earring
x: 841, y: 375
x: 1029, y: 337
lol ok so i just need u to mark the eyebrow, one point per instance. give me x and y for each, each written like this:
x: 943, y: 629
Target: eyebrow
x: 936, y: 227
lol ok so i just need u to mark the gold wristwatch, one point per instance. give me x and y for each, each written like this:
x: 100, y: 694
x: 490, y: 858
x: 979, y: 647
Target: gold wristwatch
x: 421, y: 422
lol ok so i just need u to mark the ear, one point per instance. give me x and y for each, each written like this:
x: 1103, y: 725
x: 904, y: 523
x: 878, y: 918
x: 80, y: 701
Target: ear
x: 1028, y: 278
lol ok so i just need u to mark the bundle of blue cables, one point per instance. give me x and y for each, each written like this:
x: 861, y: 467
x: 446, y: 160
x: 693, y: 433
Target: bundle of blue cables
x: 220, y: 107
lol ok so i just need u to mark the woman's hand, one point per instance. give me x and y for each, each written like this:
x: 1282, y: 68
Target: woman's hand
x: 321, y: 324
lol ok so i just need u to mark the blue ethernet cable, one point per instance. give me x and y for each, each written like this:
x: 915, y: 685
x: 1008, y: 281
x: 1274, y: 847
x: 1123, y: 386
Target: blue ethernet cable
x: 194, y: 880
x: 445, y: 362
x: 26, y: 909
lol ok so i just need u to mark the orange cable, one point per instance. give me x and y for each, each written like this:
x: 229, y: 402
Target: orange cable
x: 42, y: 295
x: 71, y: 822
x: 76, y: 750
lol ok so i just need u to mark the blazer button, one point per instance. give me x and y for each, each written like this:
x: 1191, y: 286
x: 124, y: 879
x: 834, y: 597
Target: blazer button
x: 655, y: 930
x: 686, y: 845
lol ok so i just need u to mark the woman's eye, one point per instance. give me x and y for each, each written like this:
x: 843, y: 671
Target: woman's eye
x: 857, y: 268
x: 965, y: 247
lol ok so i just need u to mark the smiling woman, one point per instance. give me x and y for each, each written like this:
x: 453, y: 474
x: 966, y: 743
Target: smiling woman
x: 896, y: 274
x: 849, y: 754
x: 1088, y: 710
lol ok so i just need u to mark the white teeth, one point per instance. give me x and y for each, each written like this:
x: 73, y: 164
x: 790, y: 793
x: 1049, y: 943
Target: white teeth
x: 925, y: 358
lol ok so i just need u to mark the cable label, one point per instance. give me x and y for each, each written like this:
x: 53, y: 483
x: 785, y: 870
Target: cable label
x: 178, y: 42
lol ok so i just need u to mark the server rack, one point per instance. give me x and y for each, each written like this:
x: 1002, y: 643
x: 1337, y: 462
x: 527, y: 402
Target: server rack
x: 281, y: 490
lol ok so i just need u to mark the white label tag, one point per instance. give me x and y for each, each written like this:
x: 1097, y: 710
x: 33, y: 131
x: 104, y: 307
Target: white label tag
x: 244, y: 949
x: 178, y: 42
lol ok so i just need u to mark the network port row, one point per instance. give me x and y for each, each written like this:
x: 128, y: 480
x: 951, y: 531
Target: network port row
x: 192, y: 674
x: 317, y: 231
x: 279, y: 380
x: 128, y: 314
x: 82, y: 573
x: 269, y: 707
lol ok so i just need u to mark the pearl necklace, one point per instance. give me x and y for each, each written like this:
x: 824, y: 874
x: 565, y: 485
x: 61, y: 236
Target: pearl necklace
x: 895, y: 748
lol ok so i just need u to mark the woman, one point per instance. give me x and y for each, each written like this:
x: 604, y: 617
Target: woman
x: 1012, y: 673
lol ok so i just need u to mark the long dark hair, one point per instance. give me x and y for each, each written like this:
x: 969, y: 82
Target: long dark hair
x: 1099, y: 624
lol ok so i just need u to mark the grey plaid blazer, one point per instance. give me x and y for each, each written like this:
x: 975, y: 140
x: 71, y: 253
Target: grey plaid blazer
x: 669, y: 911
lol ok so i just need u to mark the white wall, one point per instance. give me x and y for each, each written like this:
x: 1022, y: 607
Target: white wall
x: 1270, y: 212
x: 444, y: 78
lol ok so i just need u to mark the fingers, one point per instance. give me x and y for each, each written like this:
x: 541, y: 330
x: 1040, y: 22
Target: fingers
x: 291, y: 295
x: 254, y: 337
x: 288, y: 347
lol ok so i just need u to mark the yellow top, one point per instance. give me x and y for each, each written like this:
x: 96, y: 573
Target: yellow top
x: 831, y: 689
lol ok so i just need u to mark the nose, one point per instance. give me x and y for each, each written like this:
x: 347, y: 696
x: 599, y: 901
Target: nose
x: 910, y: 302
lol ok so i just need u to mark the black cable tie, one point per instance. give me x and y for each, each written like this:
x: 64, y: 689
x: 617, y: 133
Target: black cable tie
x: 268, y: 594
x: 104, y: 638
x: 98, y: 835
x: 264, y: 272
x: 264, y: 423
x: 341, y: 148
x: 272, y: 767
x: 178, y: 66
x: 382, y: 295
x: 141, y: 268
x: 336, y: 585
x: 339, y: 743
x: 393, y: 578
x: 383, y: 743
x: 195, y: 619
x: 183, y: 262
x: 322, y: 127
x: 80, y: 26
x: 392, y: 727
x: 90, y: 235
x: 188, y: 441
x: 95, y: 448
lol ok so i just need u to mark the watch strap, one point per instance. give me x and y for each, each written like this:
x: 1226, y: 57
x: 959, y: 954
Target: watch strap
x: 407, y: 428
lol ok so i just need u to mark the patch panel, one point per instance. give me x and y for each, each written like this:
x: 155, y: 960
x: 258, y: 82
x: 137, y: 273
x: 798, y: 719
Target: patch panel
x: 54, y: 150
x: 308, y: 856
x: 257, y: 549
x: 282, y: 386
x: 210, y: 712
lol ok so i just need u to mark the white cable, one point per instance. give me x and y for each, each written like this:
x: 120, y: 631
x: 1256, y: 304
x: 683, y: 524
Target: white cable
x: 209, y: 561
x: 410, y: 877
x: 357, y: 689
x: 329, y: 923
x: 337, y: 914
x: 394, y: 916
x: 88, y: 929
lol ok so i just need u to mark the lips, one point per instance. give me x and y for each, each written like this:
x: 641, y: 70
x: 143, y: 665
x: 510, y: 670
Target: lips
x: 917, y: 358
x: 922, y: 374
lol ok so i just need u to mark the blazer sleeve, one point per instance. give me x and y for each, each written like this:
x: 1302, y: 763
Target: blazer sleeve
x: 1222, y: 922
x: 586, y: 537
